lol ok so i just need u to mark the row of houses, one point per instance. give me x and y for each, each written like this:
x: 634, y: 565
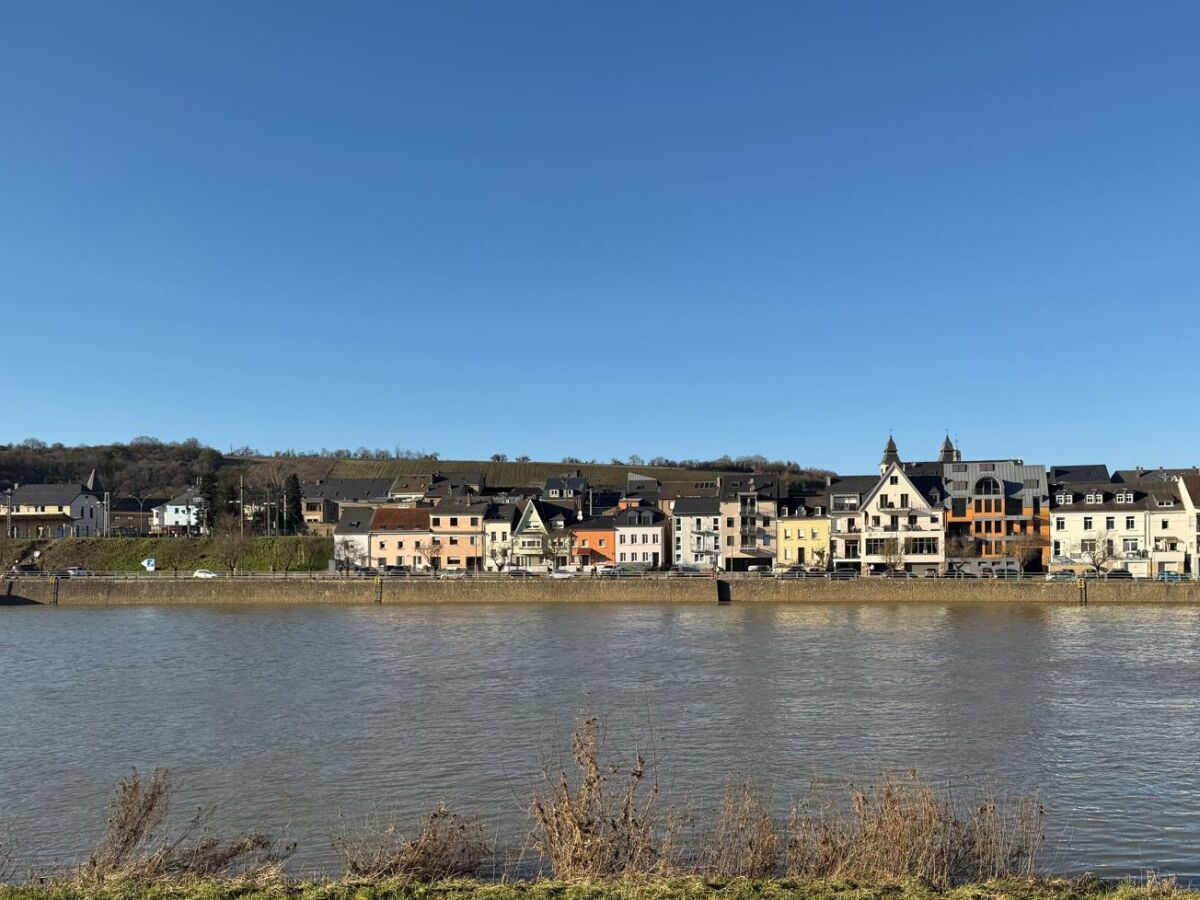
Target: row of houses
x: 924, y: 517
x: 86, y: 509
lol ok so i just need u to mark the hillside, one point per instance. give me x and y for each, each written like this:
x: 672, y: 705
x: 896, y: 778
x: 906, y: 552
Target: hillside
x: 508, y: 474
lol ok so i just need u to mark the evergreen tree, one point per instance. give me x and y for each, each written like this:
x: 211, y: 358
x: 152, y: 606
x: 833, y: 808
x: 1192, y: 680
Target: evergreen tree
x: 293, y: 518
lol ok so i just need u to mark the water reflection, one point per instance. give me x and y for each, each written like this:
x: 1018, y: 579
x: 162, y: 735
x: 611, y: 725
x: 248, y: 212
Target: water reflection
x: 288, y: 716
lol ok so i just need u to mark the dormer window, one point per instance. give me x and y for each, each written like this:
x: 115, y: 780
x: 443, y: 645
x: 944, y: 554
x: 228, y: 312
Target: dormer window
x: 1124, y: 498
x: 1095, y: 498
x: 1064, y: 499
x: 1166, y: 502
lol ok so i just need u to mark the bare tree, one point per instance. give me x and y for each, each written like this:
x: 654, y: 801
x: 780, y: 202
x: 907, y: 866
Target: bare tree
x: 172, y: 553
x: 500, y: 556
x: 285, y: 552
x: 1026, y: 548
x: 961, y: 545
x: 231, y: 547
x: 347, y: 554
x: 893, y: 554
x: 1099, y: 551
x: 819, y: 557
x: 431, y: 553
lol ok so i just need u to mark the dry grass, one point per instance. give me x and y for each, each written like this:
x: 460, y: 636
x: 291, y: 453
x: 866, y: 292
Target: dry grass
x: 447, y: 845
x: 907, y: 828
x: 128, y: 849
x: 599, y: 820
x: 744, y: 842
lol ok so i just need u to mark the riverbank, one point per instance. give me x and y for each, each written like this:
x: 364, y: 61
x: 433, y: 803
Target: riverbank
x: 639, y: 889
x: 168, y: 591
x: 125, y: 554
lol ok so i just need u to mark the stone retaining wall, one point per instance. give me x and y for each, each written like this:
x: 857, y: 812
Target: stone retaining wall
x: 236, y: 591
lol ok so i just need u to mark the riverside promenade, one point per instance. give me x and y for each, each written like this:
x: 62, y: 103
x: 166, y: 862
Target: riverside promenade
x: 265, y: 590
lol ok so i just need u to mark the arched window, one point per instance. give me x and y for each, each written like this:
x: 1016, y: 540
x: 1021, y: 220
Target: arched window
x: 987, y: 487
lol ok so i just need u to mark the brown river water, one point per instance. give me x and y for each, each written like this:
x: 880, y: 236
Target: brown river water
x: 290, y: 718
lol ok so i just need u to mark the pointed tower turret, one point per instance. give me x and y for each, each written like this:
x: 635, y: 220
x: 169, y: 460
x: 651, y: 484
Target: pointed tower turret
x: 890, y: 455
x: 948, y: 454
x: 93, y: 483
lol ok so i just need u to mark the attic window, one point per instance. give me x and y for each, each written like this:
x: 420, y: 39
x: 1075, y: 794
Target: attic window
x: 1124, y: 498
x: 1063, y: 499
x: 1095, y: 498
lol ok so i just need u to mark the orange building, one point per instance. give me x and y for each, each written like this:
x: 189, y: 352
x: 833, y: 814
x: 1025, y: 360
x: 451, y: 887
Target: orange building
x: 593, y: 541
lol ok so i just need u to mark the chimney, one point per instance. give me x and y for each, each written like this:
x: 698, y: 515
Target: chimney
x: 828, y: 481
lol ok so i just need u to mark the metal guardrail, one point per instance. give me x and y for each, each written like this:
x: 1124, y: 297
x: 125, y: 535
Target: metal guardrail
x: 1029, y: 578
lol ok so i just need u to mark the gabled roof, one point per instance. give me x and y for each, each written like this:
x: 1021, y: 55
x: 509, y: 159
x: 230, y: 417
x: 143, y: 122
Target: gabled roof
x: 190, y: 497
x: 633, y: 516
x: 697, y: 506
x: 1134, y: 476
x: 400, y: 518
x: 928, y: 487
x: 596, y: 523
x: 48, y: 494
x: 1145, y: 497
x: 354, y: 520
x: 1191, y: 484
x: 411, y: 484
x: 346, y: 490
x: 566, y: 483
x: 1078, y: 473
x: 765, y: 486
x: 131, y: 504
x: 501, y: 512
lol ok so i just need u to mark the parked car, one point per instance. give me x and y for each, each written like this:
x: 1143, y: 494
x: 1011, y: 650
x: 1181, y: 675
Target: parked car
x: 606, y: 571
x: 1061, y: 575
x: 452, y: 573
x: 395, y: 570
x: 76, y: 572
x: 1119, y: 575
x: 560, y: 574
x: 1170, y: 576
x: 758, y: 570
x: 204, y: 573
x: 25, y: 569
x: 844, y: 573
x: 518, y: 572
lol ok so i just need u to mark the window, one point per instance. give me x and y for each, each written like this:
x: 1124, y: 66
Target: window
x: 620, y: 539
x: 1130, y: 523
x: 894, y: 480
x: 436, y: 521
x: 454, y: 541
x: 602, y: 542
x: 787, y: 534
x: 1124, y: 497
x: 1060, y: 523
x: 1110, y: 522
x: 925, y: 546
x: 454, y: 521
x: 1129, y: 545
x: 1165, y: 525
x: 474, y: 521
x: 987, y: 487
x: 729, y: 522
x: 1094, y: 498
x: 1087, y: 523
x: 904, y: 501
x: 1087, y: 546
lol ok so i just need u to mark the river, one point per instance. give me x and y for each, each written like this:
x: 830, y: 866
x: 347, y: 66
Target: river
x: 289, y: 718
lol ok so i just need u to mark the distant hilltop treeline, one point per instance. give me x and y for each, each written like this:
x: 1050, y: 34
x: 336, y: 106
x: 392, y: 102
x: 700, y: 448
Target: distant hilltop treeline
x: 146, y: 465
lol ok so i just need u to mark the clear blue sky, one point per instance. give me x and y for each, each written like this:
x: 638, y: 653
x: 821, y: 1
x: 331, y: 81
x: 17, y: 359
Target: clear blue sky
x: 599, y: 229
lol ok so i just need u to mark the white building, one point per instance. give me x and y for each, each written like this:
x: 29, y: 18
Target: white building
x: 53, y: 510
x: 696, y: 532
x: 903, y: 522
x: 641, y: 537
x: 1144, y: 527
x: 179, y: 515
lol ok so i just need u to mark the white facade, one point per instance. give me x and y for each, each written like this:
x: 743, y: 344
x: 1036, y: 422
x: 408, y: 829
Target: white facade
x: 641, y: 538
x: 1120, y: 527
x: 179, y: 515
x: 901, y: 529
x: 696, y: 539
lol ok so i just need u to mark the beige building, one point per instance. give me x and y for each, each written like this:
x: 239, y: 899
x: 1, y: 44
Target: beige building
x: 457, y: 527
x: 749, y: 513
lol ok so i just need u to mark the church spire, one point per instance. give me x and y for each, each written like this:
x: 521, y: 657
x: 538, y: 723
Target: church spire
x: 890, y: 455
x: 948, y: 454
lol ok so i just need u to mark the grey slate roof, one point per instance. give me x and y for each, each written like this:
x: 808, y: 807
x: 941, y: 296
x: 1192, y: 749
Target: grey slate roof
x: 1088, y: 472
x: 346, y: 490
x: 697, y: 506
x: 629, y: 518
x: 48, y: 494
x: 354, y: 520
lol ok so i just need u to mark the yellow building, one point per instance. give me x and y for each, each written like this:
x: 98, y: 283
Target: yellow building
x: 803, y: 533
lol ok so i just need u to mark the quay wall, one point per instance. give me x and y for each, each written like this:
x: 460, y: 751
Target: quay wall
x: 262, y: 591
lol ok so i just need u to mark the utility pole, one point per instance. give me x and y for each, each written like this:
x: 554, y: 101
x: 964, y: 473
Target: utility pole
x: 242, y: 504
x: 8, y: 506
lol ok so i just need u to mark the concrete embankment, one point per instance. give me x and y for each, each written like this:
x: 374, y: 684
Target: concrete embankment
x: 261, y: 591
